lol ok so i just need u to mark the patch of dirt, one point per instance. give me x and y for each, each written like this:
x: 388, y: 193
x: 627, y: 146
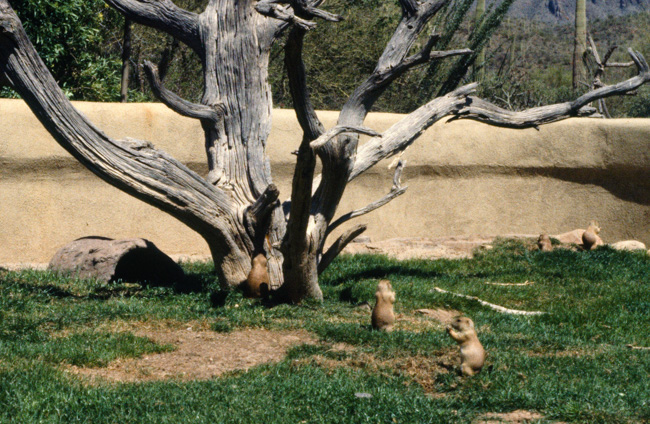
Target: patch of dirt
x: 199, y: 355
x: 421, y: 248
x: 444, y: 316
x: 519, y: 416
x: 423, y: 370
x: 417, y: 323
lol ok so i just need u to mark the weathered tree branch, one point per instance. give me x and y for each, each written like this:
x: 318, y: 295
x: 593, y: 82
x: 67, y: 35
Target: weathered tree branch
x: 409, y: 7
x: 299, y: 261
x: 405, y: 132
x: 337, y: 247
x: 484, y: 111
x: 391, y: 63
x: 273, y: 9
x: 337, y: 156
x: 395, y: 191
x: 163, y: 15
x: 309, y: 122
x: 213, y: 113
x: 340, y: 129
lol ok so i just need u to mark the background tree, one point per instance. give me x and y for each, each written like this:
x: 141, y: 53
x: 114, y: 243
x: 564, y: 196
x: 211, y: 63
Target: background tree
x: 235, y: 207
x: 78, y: 43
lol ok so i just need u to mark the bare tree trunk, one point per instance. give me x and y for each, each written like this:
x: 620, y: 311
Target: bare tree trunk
x: 126, y: 61
x: 580, y: 43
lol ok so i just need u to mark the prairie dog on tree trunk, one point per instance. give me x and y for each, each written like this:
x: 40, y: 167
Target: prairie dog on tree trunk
x: 257, y: 283
x: 544, y: 243
x: 590, y: 239
x: 472, y: 354
x: 383, y: 316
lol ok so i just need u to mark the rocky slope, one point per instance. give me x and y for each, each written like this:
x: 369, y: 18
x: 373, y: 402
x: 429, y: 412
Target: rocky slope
x: 561, y: 11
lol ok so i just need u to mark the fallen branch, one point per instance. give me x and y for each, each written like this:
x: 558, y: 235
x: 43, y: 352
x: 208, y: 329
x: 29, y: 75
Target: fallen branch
x: 526, y: 283
x: 637, y: 347
x: 491, y: 305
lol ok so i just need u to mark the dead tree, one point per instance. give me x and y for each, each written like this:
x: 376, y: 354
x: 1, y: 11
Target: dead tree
x: 235, y: 207
x: 596, y: 67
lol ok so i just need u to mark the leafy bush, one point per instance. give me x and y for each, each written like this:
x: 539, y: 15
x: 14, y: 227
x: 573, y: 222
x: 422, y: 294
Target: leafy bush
x: 77, y: 40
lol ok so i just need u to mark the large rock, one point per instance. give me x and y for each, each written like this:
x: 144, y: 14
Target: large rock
x: 628, y: 245
x: 132, y: 260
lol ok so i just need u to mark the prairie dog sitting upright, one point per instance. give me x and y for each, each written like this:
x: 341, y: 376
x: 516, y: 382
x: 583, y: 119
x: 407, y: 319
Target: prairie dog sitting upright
x: 472, y: 354
x: 383, y: 316
x: 257, y: 283
x: 590, y: 238
x: 544, y: 243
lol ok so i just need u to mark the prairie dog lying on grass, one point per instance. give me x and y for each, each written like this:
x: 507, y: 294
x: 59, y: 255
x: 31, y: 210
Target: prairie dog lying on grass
x: 257, y: 283
x: 590, y: 239
x: 383, y: 316
x: 544, y: 243
x: 472, y: 354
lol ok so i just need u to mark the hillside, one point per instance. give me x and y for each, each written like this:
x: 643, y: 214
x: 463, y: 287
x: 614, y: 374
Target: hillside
x: 561, y: 11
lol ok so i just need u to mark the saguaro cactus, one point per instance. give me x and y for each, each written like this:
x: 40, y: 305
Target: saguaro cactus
x: 580, y: 43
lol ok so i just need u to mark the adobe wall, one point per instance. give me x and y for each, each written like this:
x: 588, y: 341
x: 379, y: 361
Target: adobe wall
x: 464, y: 178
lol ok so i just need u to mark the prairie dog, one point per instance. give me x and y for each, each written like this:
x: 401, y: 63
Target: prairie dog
x: 257, y: 283
x: 472, y: 354
x: 544, y: 243
x: 383, y: 316
x: 590, y: 239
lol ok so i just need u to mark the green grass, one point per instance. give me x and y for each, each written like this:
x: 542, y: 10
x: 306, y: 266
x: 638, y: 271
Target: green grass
x: 570, y: 365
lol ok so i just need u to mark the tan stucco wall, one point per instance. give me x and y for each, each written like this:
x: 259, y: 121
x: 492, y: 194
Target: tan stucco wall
x: 464, y: 178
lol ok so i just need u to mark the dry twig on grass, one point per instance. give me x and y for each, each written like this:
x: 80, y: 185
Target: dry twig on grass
x: 491, y: 305
x: 631, y: 346
x: 525, y: 283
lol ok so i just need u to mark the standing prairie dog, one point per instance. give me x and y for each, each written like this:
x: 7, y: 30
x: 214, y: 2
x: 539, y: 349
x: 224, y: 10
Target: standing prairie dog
x: 383, y: 316
x: 544, y: 243
x: 472, y: 354
x: 257, y: 283
x: 590, y: 239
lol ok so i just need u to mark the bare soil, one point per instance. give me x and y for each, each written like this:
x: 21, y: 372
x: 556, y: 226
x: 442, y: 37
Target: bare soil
x: 199, y: 355
x: 454, y: 247
x: 519, y: 416
x: 422, y: 369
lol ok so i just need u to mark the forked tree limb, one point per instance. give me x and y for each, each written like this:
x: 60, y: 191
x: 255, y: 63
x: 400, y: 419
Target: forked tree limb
x: 396, y: 191
x: 484, y: 111
x: 213, y: 113
x: 492, y: 306
x: 340, y: 129
x: 283, y: 12
x: 309, y: 9
x: 337, y: 247
x: 163, y: 15
x: 403, y: 133
x: 391, y: 63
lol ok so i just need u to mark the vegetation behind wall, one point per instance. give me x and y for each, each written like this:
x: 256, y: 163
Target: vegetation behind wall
x: 528, y: 63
